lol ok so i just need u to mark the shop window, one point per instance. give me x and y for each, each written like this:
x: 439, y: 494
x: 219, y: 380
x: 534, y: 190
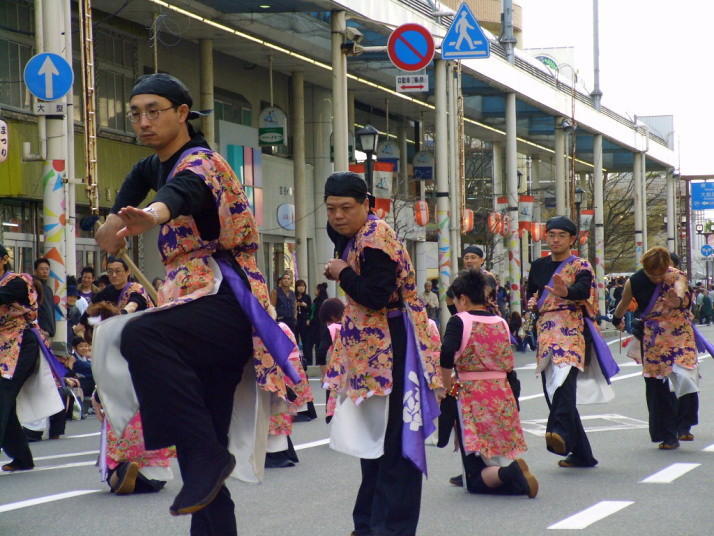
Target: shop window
x: 233, y: 107
x: 13, y: 57
x: 114, y: 77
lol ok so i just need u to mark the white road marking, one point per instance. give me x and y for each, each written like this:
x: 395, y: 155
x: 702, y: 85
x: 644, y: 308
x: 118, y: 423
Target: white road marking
x: 670, y: 473
x: 49, y: 498
x: 614, y: 422
x: 55, y: 456
x: 312, y: 444
x: 79, y: 436
x: 587, y: 517
x: 710, y: 448
x: 48, y: 468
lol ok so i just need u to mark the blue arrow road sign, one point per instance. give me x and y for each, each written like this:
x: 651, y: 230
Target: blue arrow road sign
x: 48, y: 76
x: 707, y: 250
x: 465, y: 38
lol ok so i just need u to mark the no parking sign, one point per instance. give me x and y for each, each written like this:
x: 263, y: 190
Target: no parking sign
x: 410, y: 47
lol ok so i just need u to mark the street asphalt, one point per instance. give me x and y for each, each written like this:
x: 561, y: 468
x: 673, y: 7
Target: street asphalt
x: 315, y: 497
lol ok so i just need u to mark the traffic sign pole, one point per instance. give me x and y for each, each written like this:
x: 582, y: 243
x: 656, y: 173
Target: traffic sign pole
x: 53, y: 176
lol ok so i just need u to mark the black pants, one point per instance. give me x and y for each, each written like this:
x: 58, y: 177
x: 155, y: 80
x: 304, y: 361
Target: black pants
x: 389, y: 496
x: 304, y: 337
x: 564, y: 419
x: 12, y: 439
x: 185, y: 364
x: 669, y: 417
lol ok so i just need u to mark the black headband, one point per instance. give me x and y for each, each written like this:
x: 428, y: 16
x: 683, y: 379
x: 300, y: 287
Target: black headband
x: 346, y: 184
x: 167, y: 86
x: 561, y: 223
x: 473, y: 249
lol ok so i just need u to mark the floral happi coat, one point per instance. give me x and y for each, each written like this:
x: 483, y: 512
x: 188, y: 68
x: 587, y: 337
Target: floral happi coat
x: 668, y: 334
x: 560, y: 322
x: 361, y: 362
x: 282, y: 423
x: 186, y: 255
x: 490, y: 422
x: 14, y: 319
x: 130, y: 445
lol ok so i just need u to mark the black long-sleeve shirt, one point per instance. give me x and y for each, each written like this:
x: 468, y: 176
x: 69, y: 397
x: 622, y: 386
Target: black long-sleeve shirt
x: 112, y: 294
x: 453, y: 334
x: 186, y: 194
x: 542, y: 270
x: 323, y: 346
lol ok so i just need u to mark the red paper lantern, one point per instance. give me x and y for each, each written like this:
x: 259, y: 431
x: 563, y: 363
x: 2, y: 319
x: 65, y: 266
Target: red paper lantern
x: 382, y: 207
x: 584, y: 237
x: 495, y: 222
x: 506, y: 226
x: 537, y: 231
x: 467, y: 221
x: 421, y: 213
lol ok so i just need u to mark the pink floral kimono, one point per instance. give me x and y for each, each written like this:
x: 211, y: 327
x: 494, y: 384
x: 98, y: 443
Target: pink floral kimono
x: 490, y: 422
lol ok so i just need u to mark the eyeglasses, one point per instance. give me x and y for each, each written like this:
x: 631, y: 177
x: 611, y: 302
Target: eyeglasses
x: 151, y: 115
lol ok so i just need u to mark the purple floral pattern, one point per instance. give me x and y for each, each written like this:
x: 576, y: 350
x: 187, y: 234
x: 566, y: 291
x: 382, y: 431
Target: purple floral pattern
x: 14, y: 319
x: 361, y: 361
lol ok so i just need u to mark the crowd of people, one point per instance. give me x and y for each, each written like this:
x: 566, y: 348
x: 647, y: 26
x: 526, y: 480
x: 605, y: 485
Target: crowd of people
x: 213, y: 372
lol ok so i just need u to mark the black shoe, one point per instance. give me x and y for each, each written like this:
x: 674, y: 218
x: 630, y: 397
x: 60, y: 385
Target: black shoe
x: 525, y: 481
x: 201, y: 484
x: 572, y: 461
x: 278, y: 460
x: 17, y: 466
x: 32, y: 435
x: 457, y: 481
x: 123, y: 479
x: 302, y: 417
x: 668, y: 446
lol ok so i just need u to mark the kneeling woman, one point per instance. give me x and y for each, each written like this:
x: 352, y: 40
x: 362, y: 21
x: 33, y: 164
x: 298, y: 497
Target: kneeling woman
x: 477, y: 345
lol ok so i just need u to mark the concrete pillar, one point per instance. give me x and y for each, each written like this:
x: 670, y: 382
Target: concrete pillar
x: 319, y: 126
x: 499, y: 255
x: 301, y: 208
x: 53, y: 175
x: 671, y: 217
x: 402, y: 177
x: 455, y: 220
x: 70, y: 187
x: 560, y: 203
x: 441, y: 137
x: 537, y: 247
x: 339, y: 93
x: 514, y: 257
x: 208, y: 124
x: 638, y: 206
x: 643, y: 199
x: 599, y: 217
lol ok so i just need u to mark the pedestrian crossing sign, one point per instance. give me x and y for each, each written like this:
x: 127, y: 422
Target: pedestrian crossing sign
x: 465, y: 38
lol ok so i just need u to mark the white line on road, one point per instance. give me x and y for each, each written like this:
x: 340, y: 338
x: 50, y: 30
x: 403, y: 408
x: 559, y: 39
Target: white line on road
x: 671, y: 473
x: 590, y: 515
x: 710, y: 448
x: 312, y: 444
x: 78, y: 436
x: 48, y: 468
x: 55, y: 456
x: 49, y: 498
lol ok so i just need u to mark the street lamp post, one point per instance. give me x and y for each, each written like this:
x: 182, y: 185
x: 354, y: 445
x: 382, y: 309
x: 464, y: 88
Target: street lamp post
x: 368, y: 137
x: 579, y: 193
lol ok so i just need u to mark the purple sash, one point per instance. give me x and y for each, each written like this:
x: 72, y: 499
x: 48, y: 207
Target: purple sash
x: 419, y: 404
x: 57, y: 368
x: 278, y: 344
x: 655, y: 295
x: 545, y: 292
x: 607, y: 363
x: 121, y: 294
x: 190, y: 150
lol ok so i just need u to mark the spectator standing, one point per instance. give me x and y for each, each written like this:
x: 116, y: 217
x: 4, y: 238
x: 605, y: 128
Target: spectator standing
x: 283, y: 299
x: 431, y: 301
x: 46, y: 311
x: 86, y: 287
x: 304, y: 307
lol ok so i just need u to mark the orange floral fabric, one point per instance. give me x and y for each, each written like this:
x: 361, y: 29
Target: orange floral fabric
x: 130, y: 447
x: 186, y: 255
x: 14, y: 319
x: 361, y: 365
x: 668, y: 334
x: 560, y: 322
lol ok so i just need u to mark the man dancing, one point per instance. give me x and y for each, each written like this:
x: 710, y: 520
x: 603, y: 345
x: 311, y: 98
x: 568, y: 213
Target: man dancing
x: 561, y: 290
x: 187, y: 356
x: 384, y: 368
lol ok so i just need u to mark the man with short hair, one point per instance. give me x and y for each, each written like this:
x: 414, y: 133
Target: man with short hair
x: 46, y: 311
x: 186, y: 360
x: 384, y: 366
x: 128, y: 296
x: 473, y: 259
x: 562, y: 292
